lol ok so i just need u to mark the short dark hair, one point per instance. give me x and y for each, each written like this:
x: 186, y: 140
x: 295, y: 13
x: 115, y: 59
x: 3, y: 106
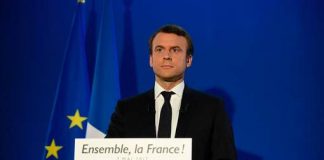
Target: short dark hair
x: 175, y: 29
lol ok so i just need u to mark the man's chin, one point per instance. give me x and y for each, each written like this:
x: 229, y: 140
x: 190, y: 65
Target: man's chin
x: 172, y: 79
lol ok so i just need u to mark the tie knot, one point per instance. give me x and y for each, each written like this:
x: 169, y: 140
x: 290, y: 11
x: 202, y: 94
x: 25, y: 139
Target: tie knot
x: 167, y: 95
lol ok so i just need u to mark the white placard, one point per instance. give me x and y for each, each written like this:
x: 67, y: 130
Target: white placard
x: 133, y: 149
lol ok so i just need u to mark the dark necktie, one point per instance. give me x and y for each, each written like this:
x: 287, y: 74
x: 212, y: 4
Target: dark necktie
x: 165, y: 116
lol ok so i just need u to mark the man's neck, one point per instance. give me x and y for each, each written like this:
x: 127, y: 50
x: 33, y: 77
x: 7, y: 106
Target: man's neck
x: 168, y: 85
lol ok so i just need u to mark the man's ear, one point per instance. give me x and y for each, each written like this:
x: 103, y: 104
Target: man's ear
x: 189, y: 60
x: 151, y: 60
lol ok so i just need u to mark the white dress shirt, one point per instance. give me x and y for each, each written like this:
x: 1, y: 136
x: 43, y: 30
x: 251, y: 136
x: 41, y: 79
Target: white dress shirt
x: 175, y: 102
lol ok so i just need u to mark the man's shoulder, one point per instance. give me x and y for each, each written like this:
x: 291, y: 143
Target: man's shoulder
x: 136, y: 103
x: 206, y: 103
x: 190, y: 94
x: 196, y: 95
x: 141, y: 97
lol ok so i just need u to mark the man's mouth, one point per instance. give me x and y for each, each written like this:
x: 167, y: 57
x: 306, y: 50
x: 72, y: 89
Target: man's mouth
x: 167, y: 66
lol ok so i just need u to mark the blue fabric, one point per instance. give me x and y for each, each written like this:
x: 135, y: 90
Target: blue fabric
x: 73, y: 91
x: 106, y: 89
x: 89, y: 80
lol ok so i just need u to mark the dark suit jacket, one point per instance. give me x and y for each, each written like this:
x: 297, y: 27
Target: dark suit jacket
x: 202, y: 118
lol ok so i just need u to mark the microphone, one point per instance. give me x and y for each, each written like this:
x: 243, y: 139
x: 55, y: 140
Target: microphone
x: 184, y: 108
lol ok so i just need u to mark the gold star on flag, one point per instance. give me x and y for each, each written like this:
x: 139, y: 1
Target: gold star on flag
x: 52, y: 150
x: 76, y: 120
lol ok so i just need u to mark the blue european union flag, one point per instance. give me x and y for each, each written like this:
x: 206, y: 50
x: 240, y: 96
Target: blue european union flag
x: 83, y: 105
x: 70, y: 111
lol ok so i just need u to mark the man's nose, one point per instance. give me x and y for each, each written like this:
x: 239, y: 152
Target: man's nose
x: 167, y: 55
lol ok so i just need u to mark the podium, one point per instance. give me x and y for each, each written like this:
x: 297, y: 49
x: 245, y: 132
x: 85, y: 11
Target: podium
x: 133, y: 149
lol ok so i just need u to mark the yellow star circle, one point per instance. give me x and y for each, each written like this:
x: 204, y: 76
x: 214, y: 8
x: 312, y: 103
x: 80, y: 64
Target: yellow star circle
x: 52, y: 150
x: 76, y: 120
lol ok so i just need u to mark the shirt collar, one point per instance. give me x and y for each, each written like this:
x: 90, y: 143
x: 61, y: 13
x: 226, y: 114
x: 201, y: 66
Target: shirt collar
x: 178, y: 89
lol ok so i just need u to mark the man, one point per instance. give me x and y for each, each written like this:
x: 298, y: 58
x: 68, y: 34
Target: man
x: 172, y: 109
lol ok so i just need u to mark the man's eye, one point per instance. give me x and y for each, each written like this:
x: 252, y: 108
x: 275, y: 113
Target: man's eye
x: 175, y: 50
x: 158, y: 49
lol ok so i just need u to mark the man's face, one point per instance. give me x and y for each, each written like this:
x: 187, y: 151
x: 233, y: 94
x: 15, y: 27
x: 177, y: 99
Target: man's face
x: 169, y: 59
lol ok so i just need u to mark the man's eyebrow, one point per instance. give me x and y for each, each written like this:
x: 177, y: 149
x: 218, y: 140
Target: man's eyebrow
x: 159, y: 46
x: 175, y: 47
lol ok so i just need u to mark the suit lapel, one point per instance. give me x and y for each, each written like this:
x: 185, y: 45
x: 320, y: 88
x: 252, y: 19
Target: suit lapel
x: 183, y: 114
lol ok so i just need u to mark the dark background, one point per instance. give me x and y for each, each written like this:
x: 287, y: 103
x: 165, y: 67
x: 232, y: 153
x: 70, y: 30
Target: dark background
x: 263, y: 57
